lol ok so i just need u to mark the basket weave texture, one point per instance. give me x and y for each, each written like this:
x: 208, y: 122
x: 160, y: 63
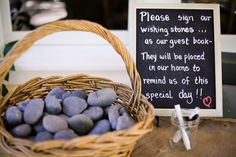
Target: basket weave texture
x: 116, y: 143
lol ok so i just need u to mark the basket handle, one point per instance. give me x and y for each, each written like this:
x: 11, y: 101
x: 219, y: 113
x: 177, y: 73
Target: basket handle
x: 80, y: 25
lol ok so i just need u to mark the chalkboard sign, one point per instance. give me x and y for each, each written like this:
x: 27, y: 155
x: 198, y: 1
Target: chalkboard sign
x: 178, y: 56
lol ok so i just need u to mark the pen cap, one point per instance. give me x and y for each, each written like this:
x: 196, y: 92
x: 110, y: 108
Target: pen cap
x: 191, y: 123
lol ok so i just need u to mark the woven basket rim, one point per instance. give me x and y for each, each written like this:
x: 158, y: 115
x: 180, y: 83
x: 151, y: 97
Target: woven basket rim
x: 67, y: 145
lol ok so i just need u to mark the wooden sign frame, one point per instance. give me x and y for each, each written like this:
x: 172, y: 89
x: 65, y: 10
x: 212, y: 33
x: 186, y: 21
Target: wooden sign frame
x: 217, y: 112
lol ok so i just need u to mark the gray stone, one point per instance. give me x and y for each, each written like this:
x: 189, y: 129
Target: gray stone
x: 74, y: 105
x: 63, y: 116
x: 123, y: 111
x: 56, y: 91
x: 65, y: 135
x: 118, y: 106
x: 113, y: 114
x: 22, y: 105
x: 94, y: 112
x: 66, y: 95
x: 43, y: 136
x: 102, y: 97
x: 106, y: 109
x: 33, y: 111
x: 81, y: 124
x: 101, y: 127
x: 124, y: 122
x: 39, y: 127
x: 76, y: 93
x: 54, y: 123
x: 53, y: 105
x: 22, y: 130
x: 13, y: 116
x: 46, y: 114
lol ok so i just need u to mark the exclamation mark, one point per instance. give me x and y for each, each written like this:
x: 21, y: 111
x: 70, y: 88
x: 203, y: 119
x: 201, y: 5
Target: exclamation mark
x: 200, y: 93
x: 196, y: 93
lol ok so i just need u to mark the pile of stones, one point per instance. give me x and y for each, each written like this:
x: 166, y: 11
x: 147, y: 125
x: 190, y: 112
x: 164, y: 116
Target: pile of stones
x: 63, y: 115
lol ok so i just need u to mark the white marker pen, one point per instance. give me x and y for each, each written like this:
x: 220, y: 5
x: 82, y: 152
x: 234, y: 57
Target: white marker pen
x: 177, y: 136
x: 181, y: 123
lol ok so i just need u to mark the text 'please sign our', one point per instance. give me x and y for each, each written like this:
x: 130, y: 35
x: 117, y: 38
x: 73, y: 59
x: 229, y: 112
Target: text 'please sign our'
x: 178, y: 56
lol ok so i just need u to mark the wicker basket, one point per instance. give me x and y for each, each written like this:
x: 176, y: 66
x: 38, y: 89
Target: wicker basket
x: 117, y: 143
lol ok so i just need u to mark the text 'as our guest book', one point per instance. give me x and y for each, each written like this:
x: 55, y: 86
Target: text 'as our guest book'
x: 175, y: 56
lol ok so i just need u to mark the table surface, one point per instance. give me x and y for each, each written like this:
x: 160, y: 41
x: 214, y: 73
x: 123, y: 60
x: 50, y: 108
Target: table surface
x: 217, y: 138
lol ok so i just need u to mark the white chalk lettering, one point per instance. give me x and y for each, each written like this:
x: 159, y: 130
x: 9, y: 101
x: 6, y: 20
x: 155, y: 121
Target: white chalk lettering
x: 189, y: 57
x: 204, y: 41
x: 154, y: 29
x: 196, y: 68
x: 162, y: 67
x: 173, y: 42
x: 165, y: 56
x: 151, y: 68
x: 185, y: 81
x: 177, y: 57
x: 146, y: 16
x: 147, y: 56
x: 179, y: 68
x: 186, y: 95
x: 154, y: 80
x: 205, y: 18
x: 176, y: 29
x: 161, y: 41
x: 173, y: 81
x: 160, y: 95
x: 185, y: 18
x: 148, y: 41
x: 198, y: 80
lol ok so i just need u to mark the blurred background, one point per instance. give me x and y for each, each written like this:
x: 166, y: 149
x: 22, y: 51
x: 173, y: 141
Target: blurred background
x: 29, y: 14
x: 112, y: 14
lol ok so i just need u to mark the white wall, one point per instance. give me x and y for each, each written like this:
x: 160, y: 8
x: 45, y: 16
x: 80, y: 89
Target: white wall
x: 98, y: 59
x: 228, y: 43
x: 1, y: 34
